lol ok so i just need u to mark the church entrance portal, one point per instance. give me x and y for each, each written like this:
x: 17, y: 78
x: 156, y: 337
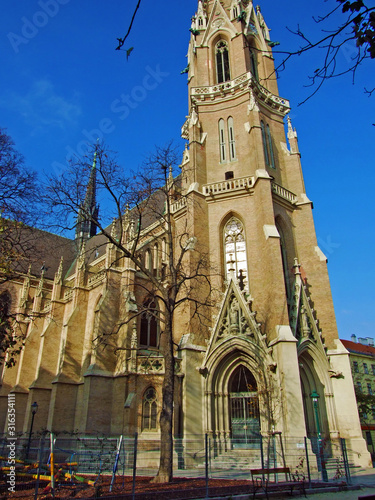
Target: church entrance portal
x: 244, y: 409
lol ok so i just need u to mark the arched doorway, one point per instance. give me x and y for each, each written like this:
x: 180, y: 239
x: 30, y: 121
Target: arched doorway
x: 316, y: 418
x: 244, y: 409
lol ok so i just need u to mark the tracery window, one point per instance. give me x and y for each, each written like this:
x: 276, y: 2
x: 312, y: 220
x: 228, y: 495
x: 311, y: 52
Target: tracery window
x: 235, y: 249
x: 222, y: 62
x: 149, y: 410
x: 149, y: 325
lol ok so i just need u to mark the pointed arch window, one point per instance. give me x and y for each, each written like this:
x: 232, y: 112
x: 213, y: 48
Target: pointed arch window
x: 253, y: 64
x: 155, y: 260
x: 223, y: 152
x: 284, y: 260
x: 149, y: 325
x: 270, y: 147
x: 232, y: 142
x: 149, y: 410
x: 148, y: 260
x: 269, y: 156
x: 235, y: 250
x: 222, y: 61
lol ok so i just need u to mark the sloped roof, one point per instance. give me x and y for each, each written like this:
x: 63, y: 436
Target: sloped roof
x: 354, y: 347
x: 39, y: 249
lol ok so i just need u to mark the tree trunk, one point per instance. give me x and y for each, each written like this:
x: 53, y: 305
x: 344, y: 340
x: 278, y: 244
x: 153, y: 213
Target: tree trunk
x: 165, y: 472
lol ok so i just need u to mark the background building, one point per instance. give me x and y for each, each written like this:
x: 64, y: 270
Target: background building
x: 362, y: 362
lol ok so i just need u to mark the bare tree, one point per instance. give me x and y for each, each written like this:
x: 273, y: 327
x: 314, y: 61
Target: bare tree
x: 356, y: 28
x: 143, y: 205
x: 18, y: 210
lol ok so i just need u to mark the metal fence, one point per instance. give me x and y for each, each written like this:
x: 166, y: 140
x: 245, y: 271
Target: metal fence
x: 205, y: 457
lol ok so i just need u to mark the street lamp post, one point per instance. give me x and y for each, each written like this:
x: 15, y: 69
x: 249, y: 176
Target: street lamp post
x: 315, y: 397
x: 34, y: 409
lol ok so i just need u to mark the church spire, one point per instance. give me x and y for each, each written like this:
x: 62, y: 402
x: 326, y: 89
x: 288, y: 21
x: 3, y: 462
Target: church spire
x: 89, y: 211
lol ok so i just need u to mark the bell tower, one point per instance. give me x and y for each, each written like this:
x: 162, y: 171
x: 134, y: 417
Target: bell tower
x: 235, y: 112
x: 242, y: 168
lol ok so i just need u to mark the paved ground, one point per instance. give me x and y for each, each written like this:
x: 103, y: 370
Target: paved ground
x: 364, y: 478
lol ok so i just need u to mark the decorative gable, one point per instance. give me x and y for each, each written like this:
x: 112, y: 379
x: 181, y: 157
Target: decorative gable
x: 235, y: 320
x: 218, y: 21
x: 303, y: 322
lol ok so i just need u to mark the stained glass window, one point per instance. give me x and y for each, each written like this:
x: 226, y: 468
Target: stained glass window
x: 235, y: 249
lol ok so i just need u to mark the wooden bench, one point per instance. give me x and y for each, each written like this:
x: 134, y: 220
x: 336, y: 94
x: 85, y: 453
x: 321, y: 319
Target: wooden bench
x: 260, y: 479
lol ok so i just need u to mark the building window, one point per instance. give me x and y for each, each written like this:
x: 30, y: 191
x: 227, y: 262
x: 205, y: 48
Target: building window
x: 269, y: 156
x: 149, y: 410
x: 148, y: 261
x: 270, y: 147
x: 373, y: 412
x: 253, y: 64
x: 222, y: 62
x: 355, y: 366
x: 369, y: 389
x: 232, y: 142
x: 223, y: 154
x: 149, y: 325
x: 284, y: 260
x: 155, y: 260
x: 359, y: 386
x: 365, y: 369
x: 235, y: 249
x: 373, y: 369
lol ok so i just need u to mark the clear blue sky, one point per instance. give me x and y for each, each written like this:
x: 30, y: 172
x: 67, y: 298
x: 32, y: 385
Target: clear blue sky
x: 61, y: 80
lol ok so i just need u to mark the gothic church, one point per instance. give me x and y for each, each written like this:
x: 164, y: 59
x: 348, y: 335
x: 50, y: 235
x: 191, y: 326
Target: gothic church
x: 273, y: 342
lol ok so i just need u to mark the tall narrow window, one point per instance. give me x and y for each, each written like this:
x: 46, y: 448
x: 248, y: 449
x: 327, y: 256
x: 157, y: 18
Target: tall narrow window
x: 269, y: 156
x: 284, y: 260
x: 149, y: 325
x: 222, y: 62
x: 235, y: 250
x: 264, y: 140
x: 232, y: 143
x: 149, y: 410
x: 155, y: 260
x: 148, y: 260
x: 270, y: 147
x: 223, y: 155
x: 253, y: 64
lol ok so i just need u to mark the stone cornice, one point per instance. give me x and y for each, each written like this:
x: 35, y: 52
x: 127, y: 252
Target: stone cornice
x: 237, y: 87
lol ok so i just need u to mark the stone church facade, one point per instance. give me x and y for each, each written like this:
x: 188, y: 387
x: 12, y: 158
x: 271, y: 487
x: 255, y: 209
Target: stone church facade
x: 273, y: 340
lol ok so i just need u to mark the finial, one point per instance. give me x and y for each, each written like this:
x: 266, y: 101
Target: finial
x: 58, y: 274
x: 297, y: 267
